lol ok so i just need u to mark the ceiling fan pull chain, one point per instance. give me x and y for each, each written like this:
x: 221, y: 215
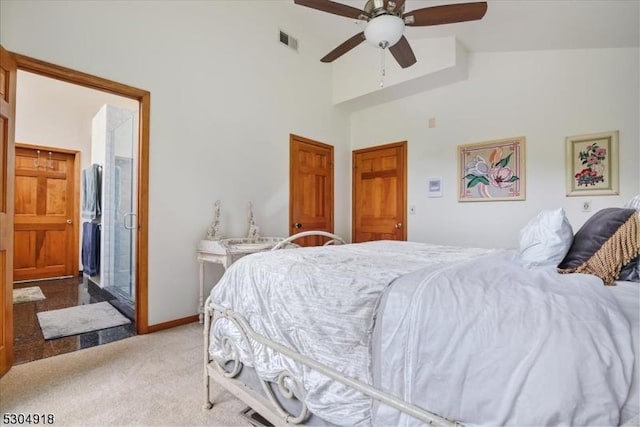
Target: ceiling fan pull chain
x: 383, y: 70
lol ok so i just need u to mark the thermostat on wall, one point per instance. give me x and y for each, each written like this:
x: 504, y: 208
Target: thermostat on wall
x: 435, y: 187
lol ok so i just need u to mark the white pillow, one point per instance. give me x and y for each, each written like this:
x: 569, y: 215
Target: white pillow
x: 634, y: 203
x: 546, y: 239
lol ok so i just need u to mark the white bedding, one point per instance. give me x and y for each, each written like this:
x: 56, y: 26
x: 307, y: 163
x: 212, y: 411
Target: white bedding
x: 522, y: 348
x: 628, y: 296
x: 320, y: 301
x: 491, y: 343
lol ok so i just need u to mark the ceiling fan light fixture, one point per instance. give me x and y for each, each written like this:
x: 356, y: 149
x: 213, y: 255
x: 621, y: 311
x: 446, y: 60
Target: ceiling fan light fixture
x: 384, y: 30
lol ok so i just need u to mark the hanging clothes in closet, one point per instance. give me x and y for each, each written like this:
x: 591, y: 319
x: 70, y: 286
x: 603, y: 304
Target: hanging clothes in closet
x: 91, y: 248
x: 92, y: 191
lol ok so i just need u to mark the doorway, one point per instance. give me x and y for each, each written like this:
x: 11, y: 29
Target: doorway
x: 380, y: 193
x: 138, y: 224
x: 49, y: 193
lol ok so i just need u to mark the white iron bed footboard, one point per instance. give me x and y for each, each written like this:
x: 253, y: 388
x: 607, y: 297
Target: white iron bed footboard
x: 270, y: 408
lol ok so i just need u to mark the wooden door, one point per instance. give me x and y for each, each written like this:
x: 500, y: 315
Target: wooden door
x: 7, y: 134
x: 45, y: 213
x: 380, y: 193
x: 310, y: 188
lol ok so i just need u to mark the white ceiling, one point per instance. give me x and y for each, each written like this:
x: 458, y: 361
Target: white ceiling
x: 509, y: 25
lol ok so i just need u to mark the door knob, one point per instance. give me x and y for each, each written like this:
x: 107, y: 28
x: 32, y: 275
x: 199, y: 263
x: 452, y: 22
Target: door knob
x: 297, y: 225
x: 69, y: 221
x: 398, y: 226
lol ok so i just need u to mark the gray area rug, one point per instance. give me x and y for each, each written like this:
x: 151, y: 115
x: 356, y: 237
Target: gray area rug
x: 79, y: 319
x: 33, y: 293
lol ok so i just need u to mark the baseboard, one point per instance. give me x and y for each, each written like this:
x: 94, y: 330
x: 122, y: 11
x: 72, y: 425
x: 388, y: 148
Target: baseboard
x: 172, y: 324
x: 42, y: 279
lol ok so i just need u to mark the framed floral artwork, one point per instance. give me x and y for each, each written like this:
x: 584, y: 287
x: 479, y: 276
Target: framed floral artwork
x: 592, y: 164
x: 492, y: 170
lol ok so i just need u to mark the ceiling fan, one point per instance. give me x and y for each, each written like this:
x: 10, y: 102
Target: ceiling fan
x: 386, y: 20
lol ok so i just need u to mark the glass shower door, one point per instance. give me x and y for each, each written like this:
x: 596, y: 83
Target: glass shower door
x: 121, y: 216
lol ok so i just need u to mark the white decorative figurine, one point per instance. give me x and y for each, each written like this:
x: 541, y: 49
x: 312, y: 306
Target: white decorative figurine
x: 214, y: 231
x: 254, y: 230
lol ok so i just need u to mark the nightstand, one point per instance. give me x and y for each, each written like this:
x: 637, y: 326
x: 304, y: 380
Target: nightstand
x: 226, y: 252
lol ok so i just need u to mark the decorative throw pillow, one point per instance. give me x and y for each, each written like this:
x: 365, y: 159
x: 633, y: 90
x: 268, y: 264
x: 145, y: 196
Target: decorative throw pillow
x: 631, y: 271
x: 546, y: 239
x: 609, y: 240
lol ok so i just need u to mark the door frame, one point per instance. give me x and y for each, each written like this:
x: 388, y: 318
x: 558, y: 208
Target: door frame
x: 7, y: 115
x: 76, y: 205
x: 143, y: 97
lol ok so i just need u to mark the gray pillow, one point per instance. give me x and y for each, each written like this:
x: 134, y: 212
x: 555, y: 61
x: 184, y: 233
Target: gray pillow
x: 604, y: 244
x: 631, y: 271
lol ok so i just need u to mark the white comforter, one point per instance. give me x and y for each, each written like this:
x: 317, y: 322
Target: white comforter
x: 320, y: 301
x: 488, y: 342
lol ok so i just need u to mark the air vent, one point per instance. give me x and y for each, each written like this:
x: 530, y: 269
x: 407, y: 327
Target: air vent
x: 288, y: 40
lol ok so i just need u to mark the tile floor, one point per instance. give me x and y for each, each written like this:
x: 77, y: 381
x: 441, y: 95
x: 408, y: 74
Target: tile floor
x: 29, y: 343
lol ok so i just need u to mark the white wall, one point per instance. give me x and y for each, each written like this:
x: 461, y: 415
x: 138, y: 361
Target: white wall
x: 53, y: 113
x: 358, y: 75
x: 543, y: 95
x: 225, y: 94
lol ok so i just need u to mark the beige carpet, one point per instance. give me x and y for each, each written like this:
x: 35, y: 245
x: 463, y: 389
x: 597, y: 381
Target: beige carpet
x: 147, y: 380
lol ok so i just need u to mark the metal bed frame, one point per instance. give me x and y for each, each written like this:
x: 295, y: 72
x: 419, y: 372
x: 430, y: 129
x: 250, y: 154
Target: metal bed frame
x: 269, y: 407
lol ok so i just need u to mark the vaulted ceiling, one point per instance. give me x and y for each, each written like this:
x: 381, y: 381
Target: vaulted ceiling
x: 509, y: 25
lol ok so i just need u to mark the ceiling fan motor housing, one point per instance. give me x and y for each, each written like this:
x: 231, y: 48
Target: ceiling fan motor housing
x: 375, y: 8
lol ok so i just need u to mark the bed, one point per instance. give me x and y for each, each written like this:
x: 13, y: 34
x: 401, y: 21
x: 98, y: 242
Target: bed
x: 403, y: 333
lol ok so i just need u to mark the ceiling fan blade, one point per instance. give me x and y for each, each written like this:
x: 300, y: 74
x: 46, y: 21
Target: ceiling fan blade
x: 403, y: 53
x: 344, y: 48
x: 446, y: 14
x: 332, y: 7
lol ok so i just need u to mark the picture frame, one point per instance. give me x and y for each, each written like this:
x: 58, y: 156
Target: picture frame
x: 434, y: 186
x: 492, y: 170
x: 592, y: 164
